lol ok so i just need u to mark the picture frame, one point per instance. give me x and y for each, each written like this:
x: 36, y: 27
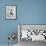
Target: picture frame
x: 10, y: 12
x: 33, y: 31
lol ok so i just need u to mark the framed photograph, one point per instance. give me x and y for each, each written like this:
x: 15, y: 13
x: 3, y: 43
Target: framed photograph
x: 33, y: 32
x: 10, y: 12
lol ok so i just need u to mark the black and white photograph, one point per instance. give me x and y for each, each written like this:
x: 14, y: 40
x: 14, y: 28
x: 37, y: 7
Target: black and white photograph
x: 11, y: 12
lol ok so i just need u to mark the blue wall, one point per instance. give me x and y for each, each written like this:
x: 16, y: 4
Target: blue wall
x: 28, y: 12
